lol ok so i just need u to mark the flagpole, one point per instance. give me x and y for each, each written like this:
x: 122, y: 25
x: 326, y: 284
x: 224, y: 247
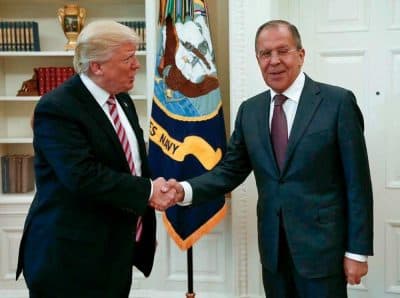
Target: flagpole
x: 190, y: 293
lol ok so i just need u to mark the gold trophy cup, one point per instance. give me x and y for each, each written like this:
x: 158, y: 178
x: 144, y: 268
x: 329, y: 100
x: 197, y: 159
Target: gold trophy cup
x: 72, y: 18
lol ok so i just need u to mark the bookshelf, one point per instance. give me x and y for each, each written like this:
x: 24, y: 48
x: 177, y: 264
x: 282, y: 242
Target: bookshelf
x: 16, y: 111
x: 16, y: 67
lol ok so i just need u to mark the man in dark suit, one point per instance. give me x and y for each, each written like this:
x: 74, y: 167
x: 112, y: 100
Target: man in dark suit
x: 92, y: 216
x: 304, y: 141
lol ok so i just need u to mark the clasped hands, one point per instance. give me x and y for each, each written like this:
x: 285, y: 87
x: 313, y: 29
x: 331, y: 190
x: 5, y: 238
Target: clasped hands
x: 166, y: 193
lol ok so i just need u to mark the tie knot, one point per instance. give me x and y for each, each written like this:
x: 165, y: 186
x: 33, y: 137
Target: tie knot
x: 111, y: 100
x: 279, y: 99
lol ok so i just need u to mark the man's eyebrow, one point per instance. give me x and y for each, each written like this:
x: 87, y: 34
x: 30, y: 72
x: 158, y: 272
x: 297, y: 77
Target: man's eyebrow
x: 129, y: 55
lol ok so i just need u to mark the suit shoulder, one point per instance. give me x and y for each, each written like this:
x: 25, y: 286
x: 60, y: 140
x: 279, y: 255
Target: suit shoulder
x: 255, y: 100
x: 62, y: 97
x: 328, y: 89
x: 258, y: 97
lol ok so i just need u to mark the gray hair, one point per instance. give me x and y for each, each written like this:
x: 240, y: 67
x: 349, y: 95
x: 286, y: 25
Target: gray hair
x: 276, y: 23
x: 98, y: 40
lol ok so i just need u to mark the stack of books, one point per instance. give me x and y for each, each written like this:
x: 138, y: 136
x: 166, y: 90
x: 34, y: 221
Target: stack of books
x: 49, y: 78
x: 19, y: 36
x: 17, y: 173
x: 140, y: 28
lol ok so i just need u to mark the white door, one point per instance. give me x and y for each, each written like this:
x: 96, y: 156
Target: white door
x: 356, y: 44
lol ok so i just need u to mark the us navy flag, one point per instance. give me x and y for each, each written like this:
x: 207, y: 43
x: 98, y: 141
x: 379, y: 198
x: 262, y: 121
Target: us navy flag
x: 187, y: 132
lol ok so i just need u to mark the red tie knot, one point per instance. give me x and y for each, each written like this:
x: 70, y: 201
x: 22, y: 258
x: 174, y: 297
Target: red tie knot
x: 279, y: 99
x: 111, y: 100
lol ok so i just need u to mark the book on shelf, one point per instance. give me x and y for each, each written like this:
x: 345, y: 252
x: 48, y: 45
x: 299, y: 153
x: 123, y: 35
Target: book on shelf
x: 19, y: 36
x: 5, y: 183
x: 12, y: 174
x: 27, y: 174
x: 4, y: 33
x: 12, y: 37
x: 17, y: 173
x: 27, y: 38
x: 34, y: 36
x: 51, y: 77
x: 140, y: 29
x: 1, y: 37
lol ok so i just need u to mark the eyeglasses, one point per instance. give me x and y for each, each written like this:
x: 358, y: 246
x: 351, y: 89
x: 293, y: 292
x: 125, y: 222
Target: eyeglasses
x: 266, y: 55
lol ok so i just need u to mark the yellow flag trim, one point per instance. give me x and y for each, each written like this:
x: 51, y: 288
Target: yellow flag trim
x: 187, y: 243
x: 193, y: 145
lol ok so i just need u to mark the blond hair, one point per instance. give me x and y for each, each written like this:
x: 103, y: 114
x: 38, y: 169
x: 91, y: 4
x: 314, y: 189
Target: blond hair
x: 98, y: 40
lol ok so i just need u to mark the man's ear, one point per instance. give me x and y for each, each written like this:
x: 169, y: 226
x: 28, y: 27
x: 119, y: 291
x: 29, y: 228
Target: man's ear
x: 95, y: 68
x: 302, y: 54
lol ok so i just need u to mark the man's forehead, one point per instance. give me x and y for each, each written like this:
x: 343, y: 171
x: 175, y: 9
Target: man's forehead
x: 275, y: 35
x: 280, y: 28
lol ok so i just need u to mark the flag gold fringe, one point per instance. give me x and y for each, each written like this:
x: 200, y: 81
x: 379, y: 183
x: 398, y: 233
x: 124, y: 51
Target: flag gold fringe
x: 187, y: 243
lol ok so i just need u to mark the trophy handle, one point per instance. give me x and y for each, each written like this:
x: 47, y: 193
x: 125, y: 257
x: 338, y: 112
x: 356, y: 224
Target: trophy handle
x: 61, y: 14
x: 82, y: 15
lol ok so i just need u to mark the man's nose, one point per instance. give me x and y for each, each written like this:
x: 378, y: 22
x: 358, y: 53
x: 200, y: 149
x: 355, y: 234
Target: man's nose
x: 275, y: 59
x: 135, y: 63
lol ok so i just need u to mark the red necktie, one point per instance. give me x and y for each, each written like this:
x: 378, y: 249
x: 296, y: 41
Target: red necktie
x: 279, y: 130
x: 127, y: 149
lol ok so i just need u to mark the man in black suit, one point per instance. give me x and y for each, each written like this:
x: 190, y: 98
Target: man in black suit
x: 304, y: 141
x: 92, y: 216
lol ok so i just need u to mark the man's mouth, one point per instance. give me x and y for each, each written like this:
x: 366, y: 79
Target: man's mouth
x: 276, y: 73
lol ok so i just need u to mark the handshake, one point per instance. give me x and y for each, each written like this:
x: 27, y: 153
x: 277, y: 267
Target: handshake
x: 166, y: 193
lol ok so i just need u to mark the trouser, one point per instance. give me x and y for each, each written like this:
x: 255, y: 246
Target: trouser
x: 288, y: 283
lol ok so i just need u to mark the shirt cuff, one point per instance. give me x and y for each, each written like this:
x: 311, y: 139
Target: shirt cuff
x: 356, y: 257
x: 151, y: 190
x: 187, y: 199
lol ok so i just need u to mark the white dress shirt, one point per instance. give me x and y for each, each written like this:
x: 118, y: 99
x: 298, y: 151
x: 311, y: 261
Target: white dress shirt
x: 293, y: 94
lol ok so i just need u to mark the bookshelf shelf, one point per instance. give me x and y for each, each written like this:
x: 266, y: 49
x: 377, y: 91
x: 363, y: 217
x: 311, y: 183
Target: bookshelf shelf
x: 138, y: 97
x: 16, y: 140
x: 19, y: 98
x: 17, y: 198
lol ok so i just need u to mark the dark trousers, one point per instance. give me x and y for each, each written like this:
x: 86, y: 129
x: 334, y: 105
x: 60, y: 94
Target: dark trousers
x: 287, y: 282
x: 37, y: 294
x: 60, y: 294
x: 107, y: 292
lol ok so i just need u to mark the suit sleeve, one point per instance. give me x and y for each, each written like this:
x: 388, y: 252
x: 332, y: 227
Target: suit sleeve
x: 60, y: 140
x: 357, y: 176
x: 230, y: 172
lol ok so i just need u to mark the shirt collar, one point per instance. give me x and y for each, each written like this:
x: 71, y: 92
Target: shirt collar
x: 294, y: 90
x: 99, y: 94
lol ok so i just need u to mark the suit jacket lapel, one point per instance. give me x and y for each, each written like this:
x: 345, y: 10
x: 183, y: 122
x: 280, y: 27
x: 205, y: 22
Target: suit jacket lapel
x: 93, y: 108
x: 309, y: 102
x: 128, y: 112
x: 265, y: 129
